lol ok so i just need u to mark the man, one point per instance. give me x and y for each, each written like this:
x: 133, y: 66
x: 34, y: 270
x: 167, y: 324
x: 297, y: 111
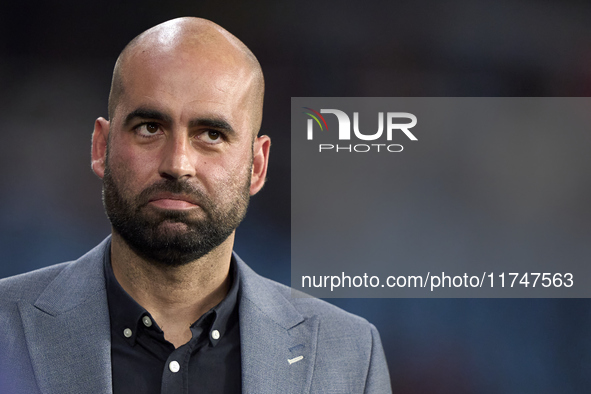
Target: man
x: 163, y: 304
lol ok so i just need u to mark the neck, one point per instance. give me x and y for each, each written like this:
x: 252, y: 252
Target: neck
x: 176, y: 297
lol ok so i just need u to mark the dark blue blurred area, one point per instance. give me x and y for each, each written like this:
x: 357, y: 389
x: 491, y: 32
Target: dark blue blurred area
x: 56, y: 60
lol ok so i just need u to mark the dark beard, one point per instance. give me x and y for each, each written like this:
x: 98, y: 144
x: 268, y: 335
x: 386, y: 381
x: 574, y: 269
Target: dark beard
x: 142, y: 230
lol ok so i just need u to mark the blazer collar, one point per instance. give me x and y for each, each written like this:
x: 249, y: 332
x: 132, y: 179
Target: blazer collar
x: 67, y: 329
x: 278, y: 343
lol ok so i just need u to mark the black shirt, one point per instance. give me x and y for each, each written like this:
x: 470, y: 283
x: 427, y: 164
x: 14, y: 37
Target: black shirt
x: 144, y: 362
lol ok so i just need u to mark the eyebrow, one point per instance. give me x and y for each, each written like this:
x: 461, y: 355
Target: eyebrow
x: 147, y: 113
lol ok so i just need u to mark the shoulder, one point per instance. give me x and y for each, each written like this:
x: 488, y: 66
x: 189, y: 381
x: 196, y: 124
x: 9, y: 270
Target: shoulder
x: 280, y: 300
x: 30, y: 285
x: 327, y: 312
x: 337, y: 328
x: 57, y: 283
x: 16, y: 291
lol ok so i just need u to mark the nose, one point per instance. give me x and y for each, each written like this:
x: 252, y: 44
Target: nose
x: 176, y: 159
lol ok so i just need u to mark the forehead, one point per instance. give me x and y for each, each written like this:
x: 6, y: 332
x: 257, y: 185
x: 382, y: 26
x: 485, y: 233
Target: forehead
x: 189, y: 81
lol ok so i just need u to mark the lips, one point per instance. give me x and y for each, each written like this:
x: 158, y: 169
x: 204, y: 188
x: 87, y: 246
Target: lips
x: 169, y: 200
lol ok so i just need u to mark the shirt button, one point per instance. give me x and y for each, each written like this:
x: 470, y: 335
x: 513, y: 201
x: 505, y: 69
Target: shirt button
x: 127, y: 332
x: 147, y: 321
x: 215, y: 334
x: 174, y: 366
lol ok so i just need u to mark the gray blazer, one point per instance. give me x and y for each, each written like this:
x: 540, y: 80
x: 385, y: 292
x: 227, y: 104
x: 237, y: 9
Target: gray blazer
x: 55, y: 336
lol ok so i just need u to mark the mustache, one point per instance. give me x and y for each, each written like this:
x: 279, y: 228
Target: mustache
x: 176, y: 187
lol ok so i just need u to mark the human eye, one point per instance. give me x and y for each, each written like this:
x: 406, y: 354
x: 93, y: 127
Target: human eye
x: 211, y: 137
x: 148, y: 129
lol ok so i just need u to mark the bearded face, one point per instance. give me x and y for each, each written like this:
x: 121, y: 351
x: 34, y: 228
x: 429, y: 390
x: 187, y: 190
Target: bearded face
x: 180, y: 155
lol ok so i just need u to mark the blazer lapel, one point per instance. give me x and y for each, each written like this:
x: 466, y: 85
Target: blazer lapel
x: 278, y: 344
x: 67, y: 329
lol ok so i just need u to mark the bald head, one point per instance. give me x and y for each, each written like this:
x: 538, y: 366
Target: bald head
x: 191, y: 39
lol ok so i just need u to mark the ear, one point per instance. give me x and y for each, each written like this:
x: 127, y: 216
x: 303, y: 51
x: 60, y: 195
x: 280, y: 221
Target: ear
x: 100, y: 135
x: 260, y: 159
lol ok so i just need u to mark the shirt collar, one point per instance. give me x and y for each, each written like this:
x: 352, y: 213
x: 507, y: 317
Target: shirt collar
x: 126, y: 314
